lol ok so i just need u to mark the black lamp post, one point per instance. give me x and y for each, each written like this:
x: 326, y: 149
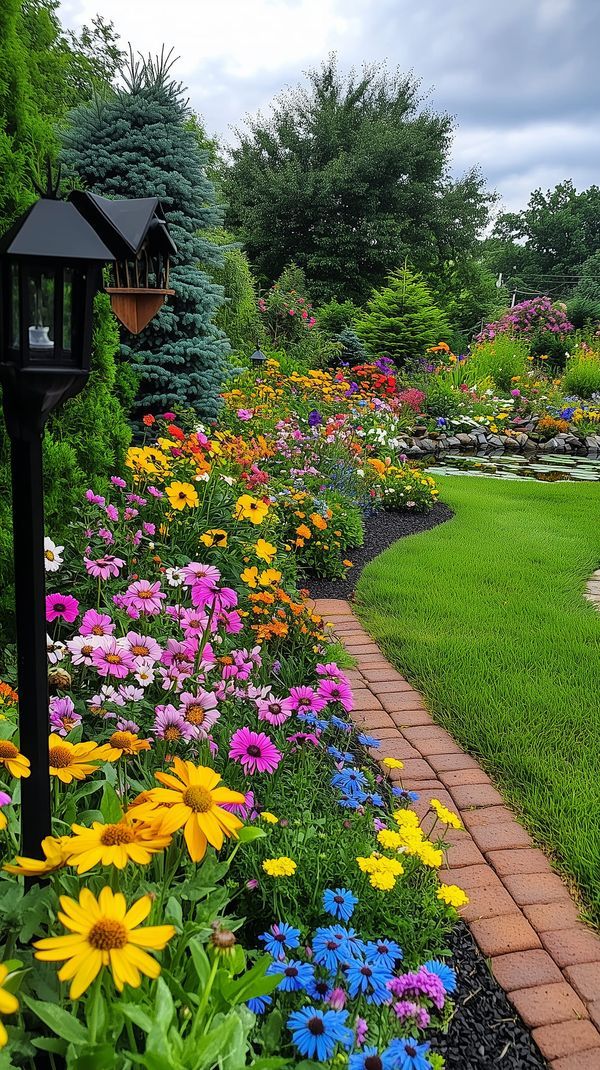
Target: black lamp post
x: 258, y: 356
x: 50, y: 269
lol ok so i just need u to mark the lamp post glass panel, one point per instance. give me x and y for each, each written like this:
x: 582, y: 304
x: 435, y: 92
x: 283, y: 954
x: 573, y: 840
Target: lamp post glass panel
x: 258, y: 356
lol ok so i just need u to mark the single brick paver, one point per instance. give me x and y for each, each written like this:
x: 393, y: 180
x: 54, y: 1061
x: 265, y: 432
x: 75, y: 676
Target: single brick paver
x: 520, y: 912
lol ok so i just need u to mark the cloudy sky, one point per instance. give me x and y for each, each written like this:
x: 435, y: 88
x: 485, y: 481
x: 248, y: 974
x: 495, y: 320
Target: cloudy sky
x: 521, y: 77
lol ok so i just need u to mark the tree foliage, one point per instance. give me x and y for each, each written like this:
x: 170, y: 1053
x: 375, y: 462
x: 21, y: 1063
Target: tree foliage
x: 347, y: 177
x: 140, y: 143
x: 238, y: 317
x: 401, y: 320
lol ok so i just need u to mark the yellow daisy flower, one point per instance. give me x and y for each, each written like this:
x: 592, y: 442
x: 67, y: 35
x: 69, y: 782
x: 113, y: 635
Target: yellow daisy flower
x: 125, y: 744
x: 193, y: 799
x: 269, y: 817
x: 9, y: 1004
x: 55, y: 856
x: 393, y: 763
x: 214, y: 537
x: 74, y: 761
x: 447, y: 816
x: 104, y: 933
x: 249, y: 508
x: 265, y: 550
x: 181, y: 495
x: 115, y: 844
x: 11, y: 757
x: 250, y: 577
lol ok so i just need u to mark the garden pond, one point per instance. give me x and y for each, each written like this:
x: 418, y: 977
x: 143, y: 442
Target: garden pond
x: 548, y: 468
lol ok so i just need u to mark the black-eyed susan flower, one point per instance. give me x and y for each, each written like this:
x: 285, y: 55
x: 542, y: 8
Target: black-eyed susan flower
x: 103, y: 932
x: 74, y: 761
x: 252, y: 509
x: 192, y: 799
x: 55, y: 856
x: 12, y: 759
x: 182, y: 495
x: 9, y: 1004
x: 127, y: 840
x: 125, y: 745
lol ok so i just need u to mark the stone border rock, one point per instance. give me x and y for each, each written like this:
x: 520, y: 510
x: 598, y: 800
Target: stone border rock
x: 592, y: 589
x: 520, y: 912
x: 482, y: 441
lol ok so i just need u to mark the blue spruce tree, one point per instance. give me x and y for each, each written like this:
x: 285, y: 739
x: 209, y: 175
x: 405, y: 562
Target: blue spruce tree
x: 141, y: 142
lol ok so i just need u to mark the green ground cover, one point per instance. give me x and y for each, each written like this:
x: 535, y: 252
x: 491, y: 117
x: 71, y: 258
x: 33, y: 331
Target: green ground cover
x: 485, y: 614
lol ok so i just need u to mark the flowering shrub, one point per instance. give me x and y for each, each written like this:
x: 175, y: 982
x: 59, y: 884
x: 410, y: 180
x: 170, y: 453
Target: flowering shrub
x: 539, y: 315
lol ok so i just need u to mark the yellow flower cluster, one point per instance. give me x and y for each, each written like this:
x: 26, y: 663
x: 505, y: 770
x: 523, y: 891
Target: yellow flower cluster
x: 448, y: 817
x: 452, y: 895
x: 382, y: 871
x: 279, y: 867
x: 413, y: 842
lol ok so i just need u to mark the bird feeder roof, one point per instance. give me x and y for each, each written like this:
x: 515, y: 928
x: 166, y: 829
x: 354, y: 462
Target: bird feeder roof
x: 126, y: 224
x: 54, y: 230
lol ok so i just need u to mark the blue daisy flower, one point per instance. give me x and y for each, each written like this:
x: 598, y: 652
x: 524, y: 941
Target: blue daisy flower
x: 368, y: 741
x: 279, y: 939
x: 445, y: 973
x: 337, y: 722
x: 316, y: 1033
x: 369, y: 979
x: 408, y: 1054
x: 350, y: 781
x: 319, y: 988
x: 340, y: 902
x: 386, y: 952
x: 295, y: 975
x: 374, y: 799
x: 349, y: 803
x: 333, y: 946
x: 259, y: 1004
x: 406, y: 796
x: 370, y: 1059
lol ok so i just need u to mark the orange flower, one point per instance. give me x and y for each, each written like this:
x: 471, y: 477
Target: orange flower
x: 303, y: 531
x: 318, y: 521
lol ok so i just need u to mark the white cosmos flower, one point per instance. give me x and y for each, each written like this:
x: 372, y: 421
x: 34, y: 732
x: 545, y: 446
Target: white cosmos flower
x: 227, y: 479
x: 56, y: 650
x: 175, y: 577
x: 52, y: 555
x: 144, y: 673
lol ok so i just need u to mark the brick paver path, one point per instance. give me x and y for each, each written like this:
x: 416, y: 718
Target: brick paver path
x: 520, y: 912
x: 592, y: 589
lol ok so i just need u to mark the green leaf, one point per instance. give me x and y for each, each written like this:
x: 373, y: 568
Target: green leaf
x: 53, y: 1044
x: 251, y: 984
x: 111, y: 808
x: 137, y: 1016
x: 249, y: 833
x: 62, y: 1023
x: 173, y: 912
x: 163, y: 1005
x: 96, y: 1057
x: 200, y: 960
x: 271, y: 1030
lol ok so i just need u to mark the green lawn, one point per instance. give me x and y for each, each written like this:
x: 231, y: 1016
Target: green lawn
x: 485, y: 615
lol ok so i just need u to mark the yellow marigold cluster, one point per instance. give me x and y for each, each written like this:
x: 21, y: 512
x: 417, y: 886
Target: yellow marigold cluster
x: 279, y: 867
x: 447, y: 816
x: 382, y: 871
x: 452, y: 895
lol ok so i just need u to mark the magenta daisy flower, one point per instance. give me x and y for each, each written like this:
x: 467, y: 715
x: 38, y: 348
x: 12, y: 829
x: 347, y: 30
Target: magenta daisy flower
x: 274, y: 710
x: 255, y: 752
x: 245, y: 810
x: 63, y: 717
x: 199, y: 710
x: 196, y: 572
x: 104, y: 567
x: 143, y: 646
x: 94, y: 623
x: 337, y: 691
x: 193, y: 621
x: 112, y: 659
x: 306, y: 700
x: 171, y: 725
x: 144, y: 597
x: 62, y: 605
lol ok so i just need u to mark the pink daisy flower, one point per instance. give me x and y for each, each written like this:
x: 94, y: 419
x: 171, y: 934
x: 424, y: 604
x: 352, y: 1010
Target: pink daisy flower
x: 169, y: 724
x: 303, y: 737
x: 102, y: 568
x: 196, y: 572
x: 112, y: 512
x: 62, y: 606
x: 329, y: 669
x: 63, y: 718
x: 94, y: 623
x: 143, y: 646
x: 255, y: 752
x: 274, y: 710
x: 81, y: 648
x: 112, y: 659
x: 144, y: 597
x: 339, y: 691
x: 244, y: 810
x: 306, y: 700
x: 199, y: 709
x: 193, y: 621
x: 231, y: 621
x: 127, y: 726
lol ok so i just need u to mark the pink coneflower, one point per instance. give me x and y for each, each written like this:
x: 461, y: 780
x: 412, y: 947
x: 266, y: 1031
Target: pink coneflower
x: 197, y: 572
x: 193, y: 621
x: 63, y: 718
x: 169, y: 724
x: 144, y: 597
x: 306, y: 700
x: 339, y: 691
x: 81, y: 648
x: 143, y: 646
x: 274, y: 710
x: 112, y: 512
x: 62, y: 606
x: 102, y: 568
x: 112, y: 659
x: 199, y: 709
x: 255, y: 752
x: 98, y: 624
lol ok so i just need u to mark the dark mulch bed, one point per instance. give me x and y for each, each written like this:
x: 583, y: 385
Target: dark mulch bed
x: 485, y: 1032
x: 381, y: 530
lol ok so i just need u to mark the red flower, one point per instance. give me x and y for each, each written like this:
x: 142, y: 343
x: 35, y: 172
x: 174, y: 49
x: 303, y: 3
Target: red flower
x: 148, y: 419
x: 176, y: 432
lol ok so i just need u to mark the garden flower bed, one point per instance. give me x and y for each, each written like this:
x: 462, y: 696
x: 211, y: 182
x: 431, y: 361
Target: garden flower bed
x: 225, y: 856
